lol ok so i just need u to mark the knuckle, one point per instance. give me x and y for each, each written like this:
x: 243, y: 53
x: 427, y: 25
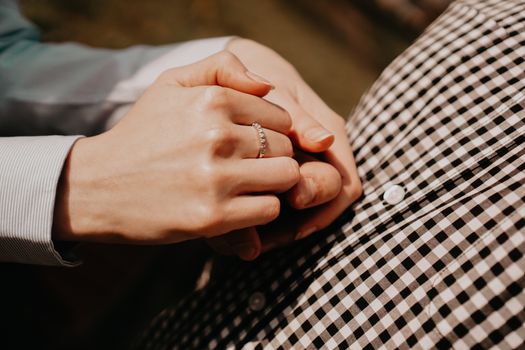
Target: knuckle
x: 210, y: 217
x: 220, y: 140
x: 164, y: 76
x: 219, y: 135
x: 226, y: 57
x: 211, y: 177
x: 167, y: 75
x: 215, y: 98
x: 220, y: 182
x: 216, y: 181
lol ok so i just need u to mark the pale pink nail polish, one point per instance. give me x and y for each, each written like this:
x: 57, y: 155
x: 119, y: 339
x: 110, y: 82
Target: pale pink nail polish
x: 318, y: 134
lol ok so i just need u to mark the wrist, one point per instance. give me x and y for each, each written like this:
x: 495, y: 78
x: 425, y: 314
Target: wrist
x: 78, y: 214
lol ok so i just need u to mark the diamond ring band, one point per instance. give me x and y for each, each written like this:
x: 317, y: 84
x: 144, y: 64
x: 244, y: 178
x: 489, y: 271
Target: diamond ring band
x: 263, y: 143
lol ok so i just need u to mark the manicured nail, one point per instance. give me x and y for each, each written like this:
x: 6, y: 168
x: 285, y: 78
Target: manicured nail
x: 245, y: 251
x: 308, y: 192
x: 318, y: 134
x: 305, y: 232
x: 259, y: 79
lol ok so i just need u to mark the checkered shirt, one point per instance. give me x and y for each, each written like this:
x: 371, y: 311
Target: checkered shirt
x: 441, y: 266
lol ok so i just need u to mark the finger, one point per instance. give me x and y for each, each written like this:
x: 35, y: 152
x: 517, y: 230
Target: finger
x: 246, y: 109
x: 287, y: 227
x: 249, y: 210
x: 320, y: 183
x: 341, y: 157
x: 223, y: 69
x: 277, y: 144
x: 322, y: 216
x: 277, y: 238
x: 244, y: 243
x: 265, y: 175
x: 282, y: 231
x: 308, y: 133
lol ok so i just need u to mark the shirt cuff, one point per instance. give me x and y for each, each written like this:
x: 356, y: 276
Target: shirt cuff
x: 30, y: 168
x: 128, y: 91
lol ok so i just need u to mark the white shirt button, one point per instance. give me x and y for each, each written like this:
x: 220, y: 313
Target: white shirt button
x: 257, y: 301
x: 394, y: 194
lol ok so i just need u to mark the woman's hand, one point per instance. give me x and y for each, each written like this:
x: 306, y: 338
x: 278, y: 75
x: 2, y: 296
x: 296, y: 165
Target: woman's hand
x: 332, y: 185
x: 182, y: 163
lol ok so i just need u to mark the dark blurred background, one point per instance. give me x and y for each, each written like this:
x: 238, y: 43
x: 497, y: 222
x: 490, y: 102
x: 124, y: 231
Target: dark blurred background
x: 339, y: 46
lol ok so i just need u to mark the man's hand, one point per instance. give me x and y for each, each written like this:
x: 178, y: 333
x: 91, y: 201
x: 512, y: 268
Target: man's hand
x: 330, y: 183
x: 182, y: 163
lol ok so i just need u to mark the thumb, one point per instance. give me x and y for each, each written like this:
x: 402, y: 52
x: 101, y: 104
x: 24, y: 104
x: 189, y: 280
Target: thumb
x: 223, y: 69
x: 320, y: 183
x: 308, y: 133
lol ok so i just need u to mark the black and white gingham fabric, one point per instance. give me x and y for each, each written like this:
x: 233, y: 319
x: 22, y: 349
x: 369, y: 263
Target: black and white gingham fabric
x: 444, y: 267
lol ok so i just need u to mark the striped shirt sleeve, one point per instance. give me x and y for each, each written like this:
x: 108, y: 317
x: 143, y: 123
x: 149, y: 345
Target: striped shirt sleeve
x: 30, y: 169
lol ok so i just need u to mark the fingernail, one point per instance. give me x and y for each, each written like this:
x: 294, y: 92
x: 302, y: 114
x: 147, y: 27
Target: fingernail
x: 245, y: 251
x: 318, y: 134
x: 305, y: 233
x: 308, y: 192
x: 259, y: 79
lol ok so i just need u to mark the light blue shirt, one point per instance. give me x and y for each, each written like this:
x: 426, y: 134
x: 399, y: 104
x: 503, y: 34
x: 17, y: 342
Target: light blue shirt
x: 50, y: 94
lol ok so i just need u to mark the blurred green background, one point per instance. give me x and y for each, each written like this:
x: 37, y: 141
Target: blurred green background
x: 339, y: 65
x: 339, y: 46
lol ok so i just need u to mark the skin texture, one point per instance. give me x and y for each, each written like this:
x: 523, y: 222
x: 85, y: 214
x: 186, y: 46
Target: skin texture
x: 146, y: 182
x: 182, y: 163
x: 328, y: 175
